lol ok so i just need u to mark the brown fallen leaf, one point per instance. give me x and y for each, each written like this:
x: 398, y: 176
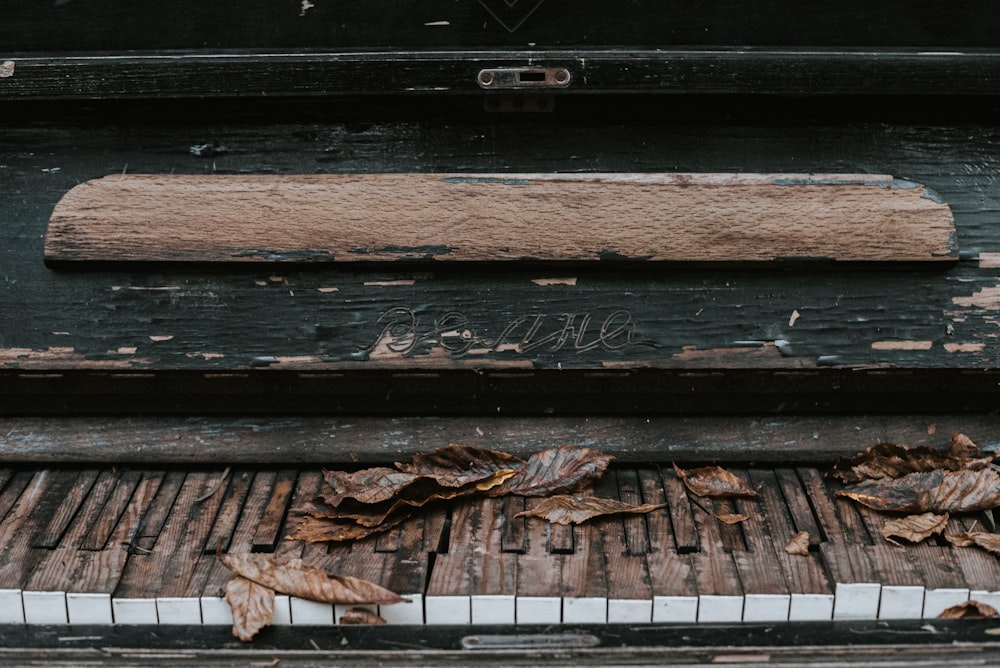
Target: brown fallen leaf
x: 460, y: 465
x: 321, y: 529
x: 914, y: 528
x: 372, y: 485
x: 931, y: 491
x: 292, y: 577
x: 889, y: 461
x: 731, y: 518
x: 361, y: 616
x: 565, y: 509
x: 559, y: 470
x: 988, y: 541
x: 714, y: 481
x: 252, y: 605
x: 970, y: 610
x: 799, y: 544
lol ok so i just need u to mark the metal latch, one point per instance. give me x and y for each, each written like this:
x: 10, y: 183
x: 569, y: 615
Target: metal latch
x: 506, y: 78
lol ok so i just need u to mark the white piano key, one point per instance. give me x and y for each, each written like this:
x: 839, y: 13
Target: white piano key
x: 11, y: 607
x: 178, y: 610
x: 215, y: 610
x: 87, y: 608
x: 448, y: 609
x: 856, y: 600
x: 585, y: 610
x: 675, y: 609
x: 766, y: 607
x: 811, y: 608
x: 44, y: 607
x: 134, y: 610
x: 938, y: 600
x: 538, y: 610
x: 493, y: 609
x: 311, y: 612
x: 901, y: 602
x: 404, y: 613
x: 282, y: 610
x: 629, y: 611
x: 712, y: 608
x: 990, y: 598
x: 340, y: 610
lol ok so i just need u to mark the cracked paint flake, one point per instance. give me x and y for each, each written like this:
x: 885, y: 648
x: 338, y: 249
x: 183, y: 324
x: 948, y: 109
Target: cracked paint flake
x: 554, y: 281
x: 793, y: 318
x: 386, y: 284
x: 964, y: 347
x: 989, y: 260
x: 902, y: 345
x: 162, y: 337
x: 988, y: 298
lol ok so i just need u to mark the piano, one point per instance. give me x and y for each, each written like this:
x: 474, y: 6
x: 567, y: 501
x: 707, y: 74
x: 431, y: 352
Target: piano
x: 242, y: 246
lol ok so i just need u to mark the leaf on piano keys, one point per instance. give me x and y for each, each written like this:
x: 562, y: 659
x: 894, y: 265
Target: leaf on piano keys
x: 988, y: 541
x: 559, y: 470
x: 252, y: 605
x: 731, y: 518
x: 914, y: 528
x: 459, y: 465
x: 372, y: 485
x: 565, y: 509
x: 799, y: 544
x: 931, y: 491
x: 970, y: 610
x: 714, y: 481
x: 888, y: 461
x: 361, y: 616
x: 295, y: 578
x: 320, y: 530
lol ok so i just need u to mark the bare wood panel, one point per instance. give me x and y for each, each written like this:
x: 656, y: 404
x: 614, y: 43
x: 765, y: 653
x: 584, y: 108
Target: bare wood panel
x: 500, y: 217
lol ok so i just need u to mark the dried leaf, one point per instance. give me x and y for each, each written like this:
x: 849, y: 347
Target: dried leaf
x: 555, y: 471
x: 914, y: 528
x: 565, y: 509
x: 731, y: 518
x: 295, y: 578
x: 890, y: 461
x: 799, y: 544
x: 319, y: 529
x: 252, y: 605
x: 932, y: 491
x: 988, y: 541
x: 372, y: 485
x: 361, y: 616
x: 970, y: 610
x: 714, y: 481
x: 460, y: 465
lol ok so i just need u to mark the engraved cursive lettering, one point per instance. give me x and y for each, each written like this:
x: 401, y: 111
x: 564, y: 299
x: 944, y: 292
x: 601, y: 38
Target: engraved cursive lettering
x: 403, y: 332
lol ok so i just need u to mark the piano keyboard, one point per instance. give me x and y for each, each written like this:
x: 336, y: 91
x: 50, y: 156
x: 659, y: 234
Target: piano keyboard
x: 115, y: 546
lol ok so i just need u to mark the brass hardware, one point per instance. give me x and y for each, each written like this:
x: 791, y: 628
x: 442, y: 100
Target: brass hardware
x: 506, y: 78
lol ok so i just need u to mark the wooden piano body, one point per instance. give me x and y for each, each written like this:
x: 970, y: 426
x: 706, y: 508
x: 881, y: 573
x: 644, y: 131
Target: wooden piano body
x: 153, y: 412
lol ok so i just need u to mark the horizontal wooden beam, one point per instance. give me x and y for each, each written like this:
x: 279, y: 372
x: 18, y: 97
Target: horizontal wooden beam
x: 349, y: 440
x: 727, y: 218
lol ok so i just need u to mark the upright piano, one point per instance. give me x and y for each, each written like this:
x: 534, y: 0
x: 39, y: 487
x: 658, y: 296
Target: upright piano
x: 244, y: 245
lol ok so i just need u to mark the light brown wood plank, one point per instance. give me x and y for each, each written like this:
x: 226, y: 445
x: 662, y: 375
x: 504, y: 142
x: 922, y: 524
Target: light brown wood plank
x: 29, y: 514
x: 636, y: 531
x: 539, y: 572
x: 64, y: 514
x: 268, y: 529
x: 670, y: 573
x: 681, y: 518
x: 237, y: 487
x: 797, y: 504
x: 159, y: 510
x: 100, y: 528
x: 512, y: 529
x: 548, y: 217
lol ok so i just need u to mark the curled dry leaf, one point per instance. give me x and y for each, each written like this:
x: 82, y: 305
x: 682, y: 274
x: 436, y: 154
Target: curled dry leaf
x: 460, y: 465
x: 970, y: 610
x: 372, y: 485
x: 914, y: 528
x: 320, y: 529
x: 555, y: 471
x: 931, y: 491
x: 361, y: 616
x: 731, y: 518
x: 889, y: 461
x: 714, y: 481
x: 564, y: 509
x: 295, y: 578
x: 252, y: 605
x: 799, y: 544
x: 988, y: 541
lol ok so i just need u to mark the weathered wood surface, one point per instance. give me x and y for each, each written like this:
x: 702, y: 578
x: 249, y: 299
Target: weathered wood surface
x: 345, y: 218
x: 373, y: 440
x: 842, y: 333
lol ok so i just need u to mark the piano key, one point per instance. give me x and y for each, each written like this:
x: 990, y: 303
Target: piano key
x: 101, y: 528
x: 630, y: 598
x: 310, y: 613
x: 681, y: 517
x: 512, y: 530
x: 767, y: 597
x: 811, y: 595
x: 980, y: 569
x: 178, y: 609
x: 71, y: 501
x: 11, y: 607
x: 138, y: 610
x: 158, y: 512
x: 40, y: 494
x: 584, y: 578
x: 230, y: 510
x: 45, y: 607
x: 449, y: 589
x: 539, y: 572
x: 720, y: 592
x: 857, y: 587
x: 404, y: 571
x: 89, y: 608
x: 269, y: 527
x: 671, y: 575
x: 493, y: 571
